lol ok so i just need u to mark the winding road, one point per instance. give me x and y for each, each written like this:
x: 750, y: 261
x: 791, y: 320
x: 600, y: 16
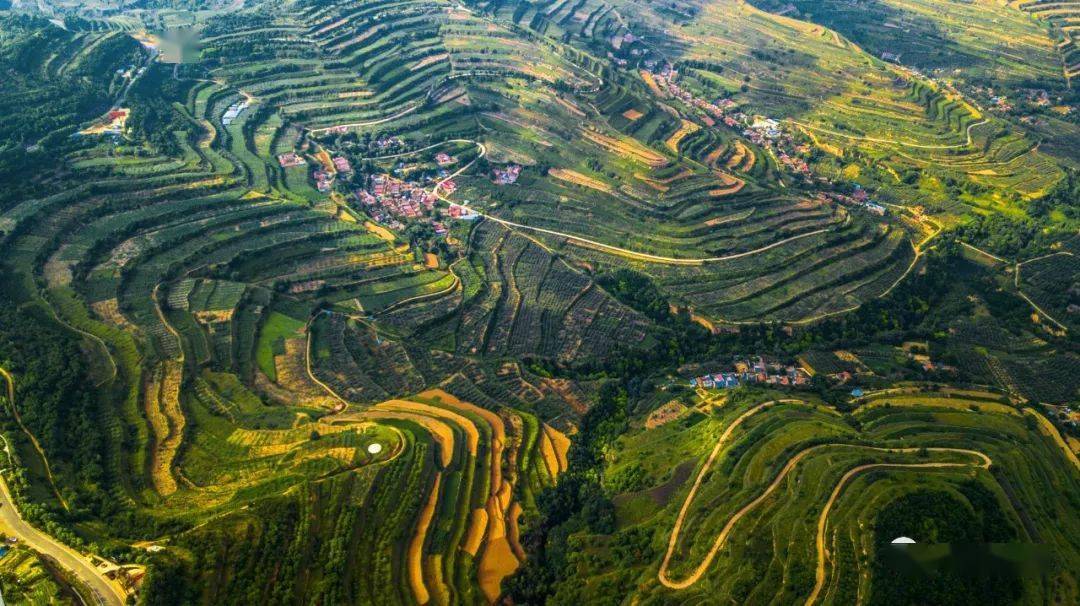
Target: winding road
x: 822, y: 552
x: 722, y: 537
x: 329, y: 129
x: 970, y: 140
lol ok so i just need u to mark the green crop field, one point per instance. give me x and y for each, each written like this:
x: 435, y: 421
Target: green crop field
x: 554, y: 302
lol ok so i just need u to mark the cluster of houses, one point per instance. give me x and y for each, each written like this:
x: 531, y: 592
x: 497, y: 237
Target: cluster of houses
x: 859, y: 198
x: 625, y: 44
x: 324, y: 177
x: 763, y: 129
x: 1001, y: 103
x: 753, y: 372
x: 1067, y: 414
x: 386, y: 142
x: 391, y: 200
x: 506, y: 175
x: 796, y: 164
x: 444, y: 159
x: 1027, y: 101
x: 769, y: 134
x: 618, y: 40
x: 1037, y: 96
x: 130, y: 72
x: 323, y: 180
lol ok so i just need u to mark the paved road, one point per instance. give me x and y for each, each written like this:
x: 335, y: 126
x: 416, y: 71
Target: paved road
x: 319, y: 131
x: 66, y: 557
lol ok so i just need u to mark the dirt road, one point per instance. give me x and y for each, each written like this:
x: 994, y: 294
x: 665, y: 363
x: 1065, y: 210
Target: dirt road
x: 673, y: 539
x: 822, y: 552
x: 729, y: 526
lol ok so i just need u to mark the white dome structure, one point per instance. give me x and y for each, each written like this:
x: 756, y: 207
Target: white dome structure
x: 903, y: 541
x: 376, y: 448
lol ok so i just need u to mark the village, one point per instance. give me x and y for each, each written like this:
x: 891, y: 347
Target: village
x: 753, y: 371
x: 397, y: 197
x: 391, y: 201
x: 836, y: 368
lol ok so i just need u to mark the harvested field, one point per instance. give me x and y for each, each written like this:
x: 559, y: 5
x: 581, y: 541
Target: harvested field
x: 548, y: 453
x: 380, y: 231
x: 714, y: 156
x: 686, y: 127
x: 416, y: 544
x: 665, y: 414
x: 162, y: 406
x: 560, y: 446
x: 630, y: 149
x: 742, y: 160
x: 572, y: 176
x: 498, y: 560
x: 739, y: 216
x: 474, y: 536
x: 472, y: 435
x: 650, y: 81
x: 731, y: 185
x: 442, y: 433
x: 664, y: 184
x: 430, y: 60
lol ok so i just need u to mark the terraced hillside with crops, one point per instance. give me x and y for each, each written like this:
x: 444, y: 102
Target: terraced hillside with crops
x: 395, y: 302
x: 768, y: 499
x: 828, y: 86
x: 1063, y: 17
x: 204, y: 284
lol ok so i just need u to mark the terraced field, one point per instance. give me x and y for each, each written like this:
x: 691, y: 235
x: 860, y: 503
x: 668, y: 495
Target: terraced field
x: 1048, y: 282
x: 298, y: 395
x: 682, y: 200
x: 209, y: 287
x: 786, y: 497
x: 1063, y: 18
x: 637, y: 196
x: 984, y: 39
x: 832, y: 88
